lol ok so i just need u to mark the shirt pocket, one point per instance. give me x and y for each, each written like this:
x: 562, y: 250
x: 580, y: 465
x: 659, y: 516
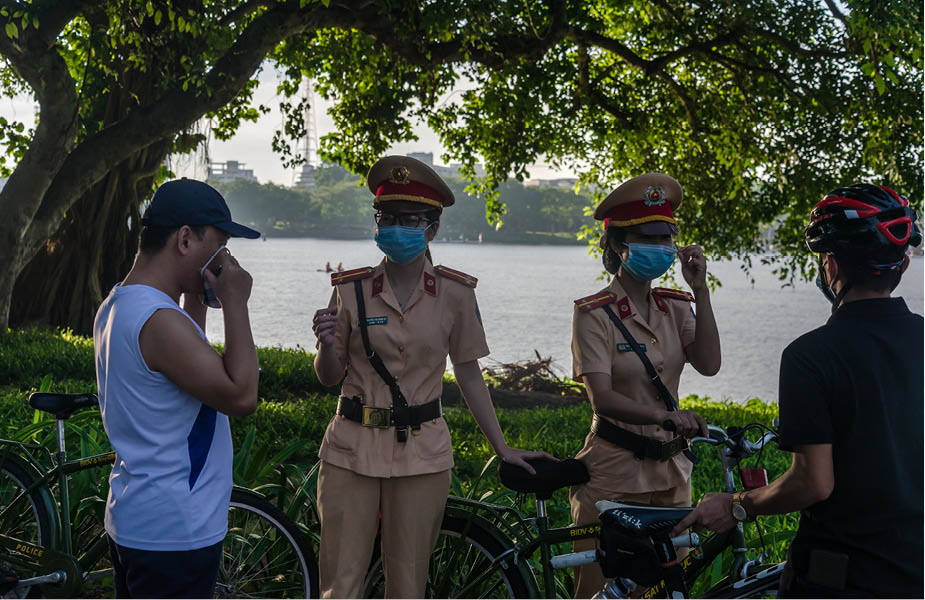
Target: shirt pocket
x: 433, y: 441
x: 342, y: 435
x: 611, y: 467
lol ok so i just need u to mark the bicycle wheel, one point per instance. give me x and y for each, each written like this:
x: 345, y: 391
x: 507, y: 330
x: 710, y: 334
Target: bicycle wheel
x: 265, y: 554
x: 462, y: 565
x: 764, y: 583
x: 27, y: 519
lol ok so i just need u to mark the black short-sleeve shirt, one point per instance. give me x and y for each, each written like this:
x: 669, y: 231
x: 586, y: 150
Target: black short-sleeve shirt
x: 857, y: 383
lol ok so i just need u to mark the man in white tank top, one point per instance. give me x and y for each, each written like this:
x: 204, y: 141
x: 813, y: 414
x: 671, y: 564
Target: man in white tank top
x: 165, y: 394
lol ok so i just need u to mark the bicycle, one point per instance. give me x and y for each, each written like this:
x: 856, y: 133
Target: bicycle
x: 485, y: 550
x: 265, y: 554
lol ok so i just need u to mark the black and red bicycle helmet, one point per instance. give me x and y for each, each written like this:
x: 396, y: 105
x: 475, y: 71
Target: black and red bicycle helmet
x: 861, y: 218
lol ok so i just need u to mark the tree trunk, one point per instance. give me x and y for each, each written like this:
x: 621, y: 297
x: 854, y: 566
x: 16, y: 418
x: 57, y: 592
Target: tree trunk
x: 65, y: 282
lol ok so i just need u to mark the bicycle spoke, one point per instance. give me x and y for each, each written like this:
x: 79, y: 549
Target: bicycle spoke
x: 260, y: 559
x: 464, y: 592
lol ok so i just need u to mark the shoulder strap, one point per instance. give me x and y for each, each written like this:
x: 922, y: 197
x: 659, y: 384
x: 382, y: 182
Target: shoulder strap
x: 399, y: 402
x: 593, y: 301
x: 663, y: 392
x: 463, y: 278
x: 351, y: 275
x: 674, y: 294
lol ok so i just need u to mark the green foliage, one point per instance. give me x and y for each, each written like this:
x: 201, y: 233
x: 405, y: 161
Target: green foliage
x: 287, y: 373
x: 28, y: 355
x: 758, y: 108
x: 340, y: 207
x: 276, y: 447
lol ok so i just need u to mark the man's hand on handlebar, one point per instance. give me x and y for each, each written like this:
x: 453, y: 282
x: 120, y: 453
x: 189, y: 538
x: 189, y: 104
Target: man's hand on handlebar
x: 686, y: 423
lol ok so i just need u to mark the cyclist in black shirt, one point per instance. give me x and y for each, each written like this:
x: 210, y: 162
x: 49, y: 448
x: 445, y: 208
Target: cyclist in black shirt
x: 851, y: 411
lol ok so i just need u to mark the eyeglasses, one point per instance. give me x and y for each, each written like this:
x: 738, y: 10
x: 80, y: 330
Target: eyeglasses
x: 404, y: 219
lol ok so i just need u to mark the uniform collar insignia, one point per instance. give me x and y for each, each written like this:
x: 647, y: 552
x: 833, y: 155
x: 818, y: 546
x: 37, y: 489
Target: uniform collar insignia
x: 430, y: 284
x: 660, y: 303
x: 624, y: 310
x: 378, y: 283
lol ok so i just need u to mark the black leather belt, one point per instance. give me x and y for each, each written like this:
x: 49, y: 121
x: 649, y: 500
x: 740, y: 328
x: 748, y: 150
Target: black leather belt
x: 641, y: 446
x: 383, y: 418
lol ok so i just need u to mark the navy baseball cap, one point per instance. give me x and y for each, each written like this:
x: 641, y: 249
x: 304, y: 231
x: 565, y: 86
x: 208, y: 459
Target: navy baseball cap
x: 189, y: 202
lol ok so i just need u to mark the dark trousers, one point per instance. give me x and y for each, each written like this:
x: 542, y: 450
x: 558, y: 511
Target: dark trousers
x: 165, y: 574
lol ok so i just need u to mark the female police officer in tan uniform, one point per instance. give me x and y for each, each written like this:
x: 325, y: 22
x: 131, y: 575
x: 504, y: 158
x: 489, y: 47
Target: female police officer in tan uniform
x: 388, y: 450
x: 628, y: 454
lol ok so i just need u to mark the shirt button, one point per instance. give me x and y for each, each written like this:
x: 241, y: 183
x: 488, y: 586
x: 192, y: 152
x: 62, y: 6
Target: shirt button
x: 661, y: 368
x: 401, y: 319
x: 401, y: 348
x: 654, y: 341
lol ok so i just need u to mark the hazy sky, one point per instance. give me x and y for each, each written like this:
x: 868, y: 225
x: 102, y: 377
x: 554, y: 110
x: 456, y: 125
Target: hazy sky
x: 252, y: 143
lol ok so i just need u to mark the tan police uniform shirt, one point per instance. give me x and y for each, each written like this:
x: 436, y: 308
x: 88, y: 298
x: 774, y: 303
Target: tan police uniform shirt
x: 598, y: 347
x: 440, y: 318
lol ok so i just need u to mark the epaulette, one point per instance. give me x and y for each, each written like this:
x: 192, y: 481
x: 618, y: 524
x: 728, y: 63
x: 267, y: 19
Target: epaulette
x: 455, y: 275
x: 351, y: 275
x: 675, y: 294
x: 599, y: 299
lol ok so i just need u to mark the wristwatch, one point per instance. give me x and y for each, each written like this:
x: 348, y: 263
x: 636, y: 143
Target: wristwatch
x: 738, y: 510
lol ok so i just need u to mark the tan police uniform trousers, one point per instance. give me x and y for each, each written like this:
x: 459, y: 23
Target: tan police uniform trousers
x: 350, y: 504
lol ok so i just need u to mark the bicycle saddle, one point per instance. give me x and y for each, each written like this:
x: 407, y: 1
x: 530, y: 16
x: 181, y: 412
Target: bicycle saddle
x: 61, y: 405
x: 641, y: 519
x: 550, y: 476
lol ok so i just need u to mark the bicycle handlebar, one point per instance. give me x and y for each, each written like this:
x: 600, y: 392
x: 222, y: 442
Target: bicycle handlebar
x: 719, y: 437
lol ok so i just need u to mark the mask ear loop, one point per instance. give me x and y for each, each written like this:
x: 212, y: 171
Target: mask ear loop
x: 837, y: 299
x: 211, y: 258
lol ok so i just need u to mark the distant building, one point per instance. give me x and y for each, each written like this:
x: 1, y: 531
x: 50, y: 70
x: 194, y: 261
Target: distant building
x: 306, y: 178
x: 566, y: 183
x: 425, y: 157
x: 442, y: 170
x: 231, y: 170
x: 454, y: 170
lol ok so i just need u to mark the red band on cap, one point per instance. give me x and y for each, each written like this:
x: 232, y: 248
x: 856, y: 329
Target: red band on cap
x: 634, y: 213
x: 413, y: 191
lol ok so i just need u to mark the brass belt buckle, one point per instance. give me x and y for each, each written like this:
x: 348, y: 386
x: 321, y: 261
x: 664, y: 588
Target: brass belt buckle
x: 377, y: 417
x: 673, y: 447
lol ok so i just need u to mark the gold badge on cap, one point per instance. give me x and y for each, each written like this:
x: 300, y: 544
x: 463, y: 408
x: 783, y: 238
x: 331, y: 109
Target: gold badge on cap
x: 655, y: 196
x: 399, y: 174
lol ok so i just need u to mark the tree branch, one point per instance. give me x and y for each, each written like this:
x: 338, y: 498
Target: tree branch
x: 243, y: 10
x: 686, y: 101
x: 795, y: 47
x: 587, y: 89
x: 46, y: 72
x: 492, y: 51
x: 55, y: 15
x: 833, y: 8
x: 174, y: 111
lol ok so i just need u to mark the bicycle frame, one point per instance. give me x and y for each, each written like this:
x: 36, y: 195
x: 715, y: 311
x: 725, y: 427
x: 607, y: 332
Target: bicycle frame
x: 693, y: 565
x: 58, y: 555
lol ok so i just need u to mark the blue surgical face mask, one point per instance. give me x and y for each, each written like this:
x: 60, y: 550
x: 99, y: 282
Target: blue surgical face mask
x: 402, y: 244
x: 646, y: 262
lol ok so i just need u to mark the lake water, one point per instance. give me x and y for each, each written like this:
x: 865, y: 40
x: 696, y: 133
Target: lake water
x: 526, y: 296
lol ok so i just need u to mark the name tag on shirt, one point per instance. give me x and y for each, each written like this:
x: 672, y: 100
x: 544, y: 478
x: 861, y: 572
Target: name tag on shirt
x: 376, y: 321
x: 628, y: 348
